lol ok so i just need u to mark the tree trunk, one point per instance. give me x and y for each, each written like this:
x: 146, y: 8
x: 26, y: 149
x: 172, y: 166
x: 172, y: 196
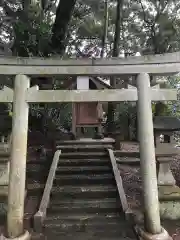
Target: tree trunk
x: 60, y: 27
x: 105, y: 33
x: 111, y: 106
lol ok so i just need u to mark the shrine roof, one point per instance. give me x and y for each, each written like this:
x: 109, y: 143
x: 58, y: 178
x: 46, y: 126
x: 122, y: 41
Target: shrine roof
x: 166, y: 123
x: 97, y: 80
x: 101, y: 82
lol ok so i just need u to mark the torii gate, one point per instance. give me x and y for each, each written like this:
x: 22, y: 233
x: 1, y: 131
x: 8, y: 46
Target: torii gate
x: 141, y: 67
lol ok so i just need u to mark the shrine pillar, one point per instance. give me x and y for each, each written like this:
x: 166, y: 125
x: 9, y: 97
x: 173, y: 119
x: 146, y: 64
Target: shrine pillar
x: 147, y: 156
x: 16, y: 195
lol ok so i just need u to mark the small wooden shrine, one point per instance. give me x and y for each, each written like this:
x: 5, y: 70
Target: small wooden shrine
x: 88, y: 114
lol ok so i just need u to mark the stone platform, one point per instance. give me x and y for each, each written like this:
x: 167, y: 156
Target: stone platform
x: 169, y: 197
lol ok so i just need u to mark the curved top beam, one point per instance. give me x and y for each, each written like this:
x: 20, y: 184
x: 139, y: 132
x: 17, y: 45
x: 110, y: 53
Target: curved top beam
x: 148, y: 59
x: 156, y: 64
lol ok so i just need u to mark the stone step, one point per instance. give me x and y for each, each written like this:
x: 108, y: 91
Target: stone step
x: 98, y: 226
x: 90, y: 191
x: 35, y: 167
x: 35, y: 189
x: 80, y: 236
x: 83, y: 227
x: 84, y: 147
x: 83, y: 169
x: 37, y: 171
x: 84, y: 155
x: 87, y: 217
x: 84, y: 161
x: 85, y: 179
x: 36, y: 175
x: 86, y: 141
x: 85, y: 206
x: 35, y: 183
x: 93, y: 234
x: 38, y: 162
x: 70, y: 191
x: 40, y: 236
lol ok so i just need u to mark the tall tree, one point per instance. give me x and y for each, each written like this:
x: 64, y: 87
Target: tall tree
x: 111, y: 106
x: 60, y: 27
x: 105, y: 33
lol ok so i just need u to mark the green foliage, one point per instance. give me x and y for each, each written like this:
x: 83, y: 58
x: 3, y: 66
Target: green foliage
x: 149, y: 26
x: 33, y: 37
x: 174, y: 82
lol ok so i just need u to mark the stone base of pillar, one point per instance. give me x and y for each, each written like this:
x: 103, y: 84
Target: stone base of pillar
x: 169, y: 198
x: 25, y: 236
x: 143, y: 235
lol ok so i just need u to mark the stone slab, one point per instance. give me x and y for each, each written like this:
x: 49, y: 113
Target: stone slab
x: 165, y: 176
x: 166, y: 149
x: 169, y: 198
x: 88, y: 141
x: 170, y: 210
x: 169, y: 193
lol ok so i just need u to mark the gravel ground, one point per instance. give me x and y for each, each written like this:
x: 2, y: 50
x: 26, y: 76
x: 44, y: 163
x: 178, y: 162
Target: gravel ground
x: 133, y: 186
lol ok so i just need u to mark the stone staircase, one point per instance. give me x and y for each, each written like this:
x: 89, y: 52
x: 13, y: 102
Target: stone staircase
x: 84, y: 202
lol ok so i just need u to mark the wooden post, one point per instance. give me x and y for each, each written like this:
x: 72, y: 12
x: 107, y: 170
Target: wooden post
x: 147, y: 156
x: 16, y: 194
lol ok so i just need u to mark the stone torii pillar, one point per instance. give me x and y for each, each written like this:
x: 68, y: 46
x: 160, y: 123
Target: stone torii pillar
x: 15, y: 216
x: 152, y: 228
